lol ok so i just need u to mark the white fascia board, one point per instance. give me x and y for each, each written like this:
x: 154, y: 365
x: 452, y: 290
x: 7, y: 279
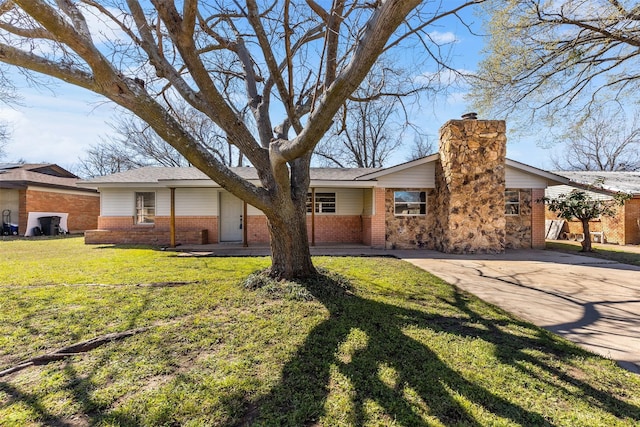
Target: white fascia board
x: 343, y: 184
x: 552, y: 178
x: 99, y: 185
x: 400, y: 167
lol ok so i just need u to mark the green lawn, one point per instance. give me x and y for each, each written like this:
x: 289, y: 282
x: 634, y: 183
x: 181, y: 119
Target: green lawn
x: 373, y: 342
x: 608, y: 252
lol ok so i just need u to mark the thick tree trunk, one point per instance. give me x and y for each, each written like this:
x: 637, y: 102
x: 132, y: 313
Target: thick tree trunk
x: 290, y: 255
x: 586, y: 243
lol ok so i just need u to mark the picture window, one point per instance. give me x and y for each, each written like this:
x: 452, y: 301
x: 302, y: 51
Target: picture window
x: 410, y: 203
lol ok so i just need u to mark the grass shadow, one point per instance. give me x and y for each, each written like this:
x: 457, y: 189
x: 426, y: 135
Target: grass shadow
x: 392, y: 376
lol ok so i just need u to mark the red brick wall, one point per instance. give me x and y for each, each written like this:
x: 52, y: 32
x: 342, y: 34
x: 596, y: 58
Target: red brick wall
x: 632, y: 221
x: 123, y: 226
x: 115, y: 222
x: 621, y: 229
x: 150, y: 236
x: 328, y: 229
x: 613, y: 227
x: 337, y: 228
x: 83, y: 210
x: 537, y: 219
x: 374, y: 226
x: 257, y: 229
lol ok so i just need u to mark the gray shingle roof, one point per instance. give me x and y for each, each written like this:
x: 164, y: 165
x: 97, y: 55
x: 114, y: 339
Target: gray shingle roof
x: 627, y: 182
x: 152, y: 174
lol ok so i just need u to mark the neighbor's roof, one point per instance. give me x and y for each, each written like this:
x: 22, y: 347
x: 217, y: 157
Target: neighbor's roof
x: 14, y: 175
x: 626, y: 182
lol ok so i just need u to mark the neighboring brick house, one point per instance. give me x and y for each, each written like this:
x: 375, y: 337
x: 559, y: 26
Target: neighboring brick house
x: 624, y: 227
x: 465, y: 199
x: 29, y: 189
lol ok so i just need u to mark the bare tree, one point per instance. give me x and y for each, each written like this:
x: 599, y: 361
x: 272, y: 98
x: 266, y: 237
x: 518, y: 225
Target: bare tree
x: 602, y: 142
x: 372, y: 124
x: 556, y: 59
x: 4, y: 138
x: 223, y: 58
x: 365, y: 136
x: 423, y: 146
x: 104, y: 159
x: 134, y: 144
x: 8, y: 95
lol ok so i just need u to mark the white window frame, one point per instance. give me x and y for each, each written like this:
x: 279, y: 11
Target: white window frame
x: 327, y: 207
x: 420, y: 205
x: 144, y: 214
x: 511, y: 208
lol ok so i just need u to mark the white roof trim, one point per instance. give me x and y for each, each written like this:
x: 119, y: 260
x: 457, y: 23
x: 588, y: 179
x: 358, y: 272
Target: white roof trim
x: 400, y: 167
x: 552, y: 178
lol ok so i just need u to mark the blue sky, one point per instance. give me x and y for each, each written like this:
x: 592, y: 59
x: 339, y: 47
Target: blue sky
x: 58, y: 123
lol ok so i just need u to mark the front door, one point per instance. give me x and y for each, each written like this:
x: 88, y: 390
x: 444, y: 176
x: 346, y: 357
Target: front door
x: 231, y: 209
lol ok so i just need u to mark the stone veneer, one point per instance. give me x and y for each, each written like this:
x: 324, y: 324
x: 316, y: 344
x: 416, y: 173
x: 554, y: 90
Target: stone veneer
x: 519, y: 227
x: 409, y: 232
x: 470, y: 185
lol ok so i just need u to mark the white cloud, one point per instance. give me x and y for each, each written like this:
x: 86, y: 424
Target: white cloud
x: 443, y: 38
x: 55, y: 129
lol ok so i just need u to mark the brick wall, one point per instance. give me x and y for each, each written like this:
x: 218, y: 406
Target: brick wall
x: 328, y: 229
x: 122, y: 230
x: 83, y: 210
x: 257, y: 229
x: 632, y: 221
x: 537, y: 219
x: 149, y: 236
x: 374, y: 226
x: 621, y: 229
x: 337, y: 228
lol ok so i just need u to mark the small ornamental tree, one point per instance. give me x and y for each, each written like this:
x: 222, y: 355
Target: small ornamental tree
x: 581, y: 205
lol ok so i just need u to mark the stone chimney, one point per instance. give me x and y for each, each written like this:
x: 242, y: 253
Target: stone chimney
x: 470, y: 185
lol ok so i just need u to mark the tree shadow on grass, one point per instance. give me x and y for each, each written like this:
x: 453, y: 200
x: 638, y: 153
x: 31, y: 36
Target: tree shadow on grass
x: 78, y: 386
x: 419, y: 386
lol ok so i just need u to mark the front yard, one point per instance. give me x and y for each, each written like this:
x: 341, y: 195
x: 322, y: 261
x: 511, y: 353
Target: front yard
x: 374, y: 342
x: 628, y: 254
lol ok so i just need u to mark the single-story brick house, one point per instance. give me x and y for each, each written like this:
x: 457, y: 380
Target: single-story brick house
x: 624, y: 227
x: 467, y: 198
x: 29, y: 191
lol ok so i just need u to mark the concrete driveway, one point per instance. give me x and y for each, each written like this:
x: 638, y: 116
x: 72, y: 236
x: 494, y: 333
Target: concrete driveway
x: 594, y: 303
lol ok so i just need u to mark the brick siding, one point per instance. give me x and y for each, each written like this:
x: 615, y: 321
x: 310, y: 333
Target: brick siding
x: 632, y: 221
x: 122, y: 230
x: 83, y: 210
x: 257, y: 229
x: 337, y: 228
x: 621, y: 229
x: 538, y: 231
x: 150, y: 236
x: 377, y: 226
x: 328, y: 229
